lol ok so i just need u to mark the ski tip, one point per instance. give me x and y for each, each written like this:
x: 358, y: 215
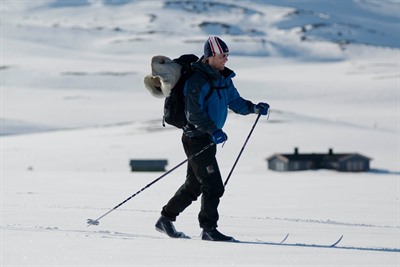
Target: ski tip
x: 286, y: 237
x: 337, y: 242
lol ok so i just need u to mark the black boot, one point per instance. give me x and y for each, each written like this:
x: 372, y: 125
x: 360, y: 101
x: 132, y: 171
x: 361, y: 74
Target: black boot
x: 215, y: 235
x: 164, y: 225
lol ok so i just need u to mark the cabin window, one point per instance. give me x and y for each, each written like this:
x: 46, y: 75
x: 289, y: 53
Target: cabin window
x: 354, y: 166
x: 296, y: 165
x: 280, y: 166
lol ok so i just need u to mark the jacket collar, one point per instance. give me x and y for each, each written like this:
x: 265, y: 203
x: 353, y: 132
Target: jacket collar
x: 210, y: 72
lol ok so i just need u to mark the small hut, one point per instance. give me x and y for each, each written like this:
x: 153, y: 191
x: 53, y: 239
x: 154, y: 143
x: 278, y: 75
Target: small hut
x: 344, y: 162
x: 148, y: 165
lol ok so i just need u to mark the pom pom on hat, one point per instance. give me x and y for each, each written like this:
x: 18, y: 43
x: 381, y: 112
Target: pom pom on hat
x: 214, y: 46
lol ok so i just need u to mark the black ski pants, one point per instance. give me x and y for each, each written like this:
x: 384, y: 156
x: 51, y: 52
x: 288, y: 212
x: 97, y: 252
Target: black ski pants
x: 202, y: 178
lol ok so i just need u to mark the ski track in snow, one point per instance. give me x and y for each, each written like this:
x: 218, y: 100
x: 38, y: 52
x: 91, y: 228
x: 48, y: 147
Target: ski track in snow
x: 128, y: 236
x: 266, y: 218
x: 84, y: 233
x: 316, y: 221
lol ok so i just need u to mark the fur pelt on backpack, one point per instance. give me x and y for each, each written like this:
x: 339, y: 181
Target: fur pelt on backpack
x: 165, y: 73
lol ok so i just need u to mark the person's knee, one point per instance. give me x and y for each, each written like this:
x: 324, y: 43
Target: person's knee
x: 215, y: 191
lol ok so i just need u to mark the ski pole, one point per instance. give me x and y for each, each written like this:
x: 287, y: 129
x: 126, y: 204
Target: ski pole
x: 241, y: 151
x: 96, y: 221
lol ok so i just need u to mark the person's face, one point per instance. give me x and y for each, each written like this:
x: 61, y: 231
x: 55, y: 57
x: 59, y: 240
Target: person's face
x: 218, y: 61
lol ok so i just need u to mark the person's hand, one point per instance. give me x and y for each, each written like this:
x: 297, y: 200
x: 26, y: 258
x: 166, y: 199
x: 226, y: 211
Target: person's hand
x: 219, y: 137
x: 261, y: 108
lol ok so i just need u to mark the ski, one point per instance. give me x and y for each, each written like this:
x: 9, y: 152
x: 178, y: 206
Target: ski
x: 283, y: 240
x: 183, y: 236
x: 258, y: 241
x: 282, y: 243
x: 233, y: 240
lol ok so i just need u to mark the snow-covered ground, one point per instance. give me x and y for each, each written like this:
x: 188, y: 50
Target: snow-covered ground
x: 74, y: 112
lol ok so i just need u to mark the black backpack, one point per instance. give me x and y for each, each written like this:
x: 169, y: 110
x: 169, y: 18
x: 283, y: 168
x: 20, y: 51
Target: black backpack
x: 174, y: 104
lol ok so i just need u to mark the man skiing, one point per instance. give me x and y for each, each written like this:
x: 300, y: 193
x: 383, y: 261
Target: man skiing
x: 206, y: 112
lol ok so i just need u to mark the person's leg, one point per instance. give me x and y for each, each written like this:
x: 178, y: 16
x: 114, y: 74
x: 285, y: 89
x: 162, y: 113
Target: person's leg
x: 185, y: 195
x: 212, y: 189
x: 190, y: 190
x: 206, y: 170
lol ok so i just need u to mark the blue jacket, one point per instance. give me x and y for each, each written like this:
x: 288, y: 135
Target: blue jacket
x: 207, y: 111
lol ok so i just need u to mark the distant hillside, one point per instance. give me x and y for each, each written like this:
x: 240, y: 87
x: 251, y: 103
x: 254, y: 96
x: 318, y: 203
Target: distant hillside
x: 359, y: 21
x: 256, y: 28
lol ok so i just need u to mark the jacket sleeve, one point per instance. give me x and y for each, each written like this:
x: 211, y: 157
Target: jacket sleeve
x: 238, y: 104
x: 194, y: 101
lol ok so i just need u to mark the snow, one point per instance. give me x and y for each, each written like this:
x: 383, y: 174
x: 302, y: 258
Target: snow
x: 74, y: 111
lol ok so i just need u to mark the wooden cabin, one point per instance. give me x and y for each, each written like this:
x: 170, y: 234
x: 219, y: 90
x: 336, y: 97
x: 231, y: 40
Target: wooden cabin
x: 344, y: 162
x: 148, y: 165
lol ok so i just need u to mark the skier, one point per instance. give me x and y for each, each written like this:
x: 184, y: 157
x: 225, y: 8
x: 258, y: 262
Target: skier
x: 206, y: 118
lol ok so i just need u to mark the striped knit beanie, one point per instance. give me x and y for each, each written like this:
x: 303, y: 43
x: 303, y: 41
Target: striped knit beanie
x: 214, y: 46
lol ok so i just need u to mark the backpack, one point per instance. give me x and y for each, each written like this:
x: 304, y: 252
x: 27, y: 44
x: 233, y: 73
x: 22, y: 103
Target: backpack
x: 174, y: 104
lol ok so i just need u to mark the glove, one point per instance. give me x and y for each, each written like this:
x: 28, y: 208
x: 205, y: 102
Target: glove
x: 219, y: 137
x: 261, y: 108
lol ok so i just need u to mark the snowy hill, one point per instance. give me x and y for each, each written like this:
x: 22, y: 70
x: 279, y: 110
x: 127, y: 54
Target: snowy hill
x: 74, y: 111
x: 44, y: 40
